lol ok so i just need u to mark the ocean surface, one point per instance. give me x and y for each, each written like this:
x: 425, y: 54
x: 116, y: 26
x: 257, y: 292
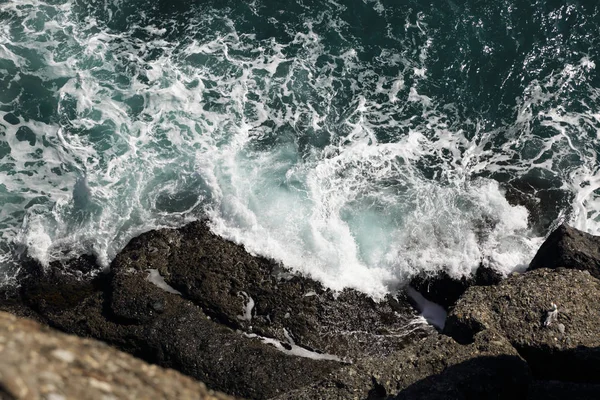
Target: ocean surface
x: 359, y: 141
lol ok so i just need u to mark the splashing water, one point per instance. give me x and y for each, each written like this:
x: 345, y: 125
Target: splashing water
x: 357, y: 141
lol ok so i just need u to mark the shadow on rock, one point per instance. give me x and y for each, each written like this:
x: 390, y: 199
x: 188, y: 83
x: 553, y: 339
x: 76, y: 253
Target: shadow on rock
x: 445, y: 290
x: 499, y: 377
x: 189, y: 300
x: 552, y: 318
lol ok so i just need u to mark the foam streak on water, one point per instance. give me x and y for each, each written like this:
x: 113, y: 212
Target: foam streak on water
x: 358, y: 141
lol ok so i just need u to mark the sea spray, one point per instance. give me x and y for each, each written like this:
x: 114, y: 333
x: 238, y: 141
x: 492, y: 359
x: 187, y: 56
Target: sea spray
x: 357, y: 141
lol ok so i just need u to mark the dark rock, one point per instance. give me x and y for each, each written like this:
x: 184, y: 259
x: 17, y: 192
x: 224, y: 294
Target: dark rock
x: 224, y: 280
x: 59, y: 286
x: 542, y: 193
x: 556, y: 390
x: 433, y: 368
x: 182, y: 337
x: 12, y: 119
x: 444, y: 290
x: 487, y: 276
x: 478, y: 378
x: 518, y: 308
x: 568, y: 247
x: 229, y: 300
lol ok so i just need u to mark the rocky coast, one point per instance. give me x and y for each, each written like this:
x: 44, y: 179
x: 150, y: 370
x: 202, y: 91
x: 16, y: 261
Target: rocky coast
x: 187, y: 300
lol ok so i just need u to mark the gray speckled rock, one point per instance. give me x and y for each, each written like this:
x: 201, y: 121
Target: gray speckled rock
x: 570, y: 248
x: 39, y: 363
x: 567, y: 349
x: 435, y: 368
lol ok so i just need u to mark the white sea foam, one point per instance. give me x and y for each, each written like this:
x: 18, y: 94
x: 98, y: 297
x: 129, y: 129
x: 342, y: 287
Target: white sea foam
x: 295, y: 350
x: 257, y: 134
x: 433, y: 313
x: 157, y: 279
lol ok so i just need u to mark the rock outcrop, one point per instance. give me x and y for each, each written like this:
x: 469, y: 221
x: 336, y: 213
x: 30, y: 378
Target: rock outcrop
x: 127, y: 311
x: 39, y: 363
x: 434, y: 368
x: 189, y: 300
x: 259, y: 296
x: 558, y: 343
x: 568, y: 247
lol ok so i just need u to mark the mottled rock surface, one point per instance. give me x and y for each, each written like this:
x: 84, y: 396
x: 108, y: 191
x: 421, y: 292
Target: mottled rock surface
x: 488, y: 368
x: 136, y: 316
x: 563, y: 347
x: 210, y: 316
x: 257, y: 295
x: 39, y: 363
x: 190, y: 300
x: 571, y: 248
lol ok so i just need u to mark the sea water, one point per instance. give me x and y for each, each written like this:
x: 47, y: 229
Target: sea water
x: 358, y: 141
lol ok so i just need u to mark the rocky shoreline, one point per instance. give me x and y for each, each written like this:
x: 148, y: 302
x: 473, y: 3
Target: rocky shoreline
x: 191, y: 301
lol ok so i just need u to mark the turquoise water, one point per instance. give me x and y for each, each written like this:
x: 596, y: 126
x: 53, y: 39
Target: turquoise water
x: 357, y: 141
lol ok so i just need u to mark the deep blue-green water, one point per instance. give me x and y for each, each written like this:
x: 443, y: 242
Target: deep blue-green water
x: 360, y: 141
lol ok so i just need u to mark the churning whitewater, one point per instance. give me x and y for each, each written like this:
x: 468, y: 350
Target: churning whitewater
x: 358, y: 141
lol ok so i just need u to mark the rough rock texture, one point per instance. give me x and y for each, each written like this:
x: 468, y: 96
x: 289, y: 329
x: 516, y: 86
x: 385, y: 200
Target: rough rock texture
x: 518, y: 308
x: 160, y: 327
x: 223, y: 279
x: 568, y: 247
x: 218, y: 306
x: 434, y: 368
x: 444, y: 290
x: 204, y: 331
x: 39, y: 363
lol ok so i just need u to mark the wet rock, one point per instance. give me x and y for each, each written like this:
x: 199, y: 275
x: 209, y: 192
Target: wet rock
x: 435, y: 368
x: 568, y: 247
x: 487, y: 276
x: 189, y: 300
x: 519, y: 307
x: 443, y: 289
x: 181, y: 336
x: 40, y: 363
x: 60, y: 286
x: 12, y: 119
x: 544, y: 196
x: 259, y: 296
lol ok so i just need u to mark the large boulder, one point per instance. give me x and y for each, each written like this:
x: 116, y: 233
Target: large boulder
x: 561, y: 343
x: 568, y: 247
x: 138, y: 317
x: 189, y: 300
x: 259, y: 296
x: 39, y: 363
x: 435, y: 368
